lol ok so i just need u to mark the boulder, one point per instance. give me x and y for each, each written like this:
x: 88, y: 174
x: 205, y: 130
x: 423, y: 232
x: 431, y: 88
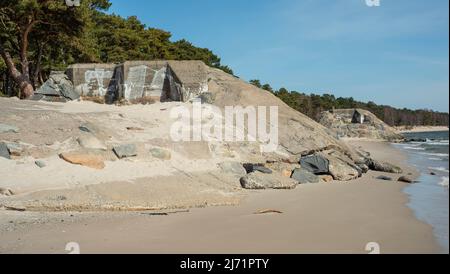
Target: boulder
x: 233, y: 168
x: 406, y: 179
x: 4, y: 128
x: 258, y: 180
x: 342, y: 170
x: 125, y: 151
x: 383, y: 167
x: 83, y: 159
x: 40, y: 163
x: 303, y: 176
x: 316, y: 164
x: 384, y: 178
x: 6, y: 192
x: 4, y: 151
x: 58, y: 85
x: 161, y: 154
x: 91, y: 142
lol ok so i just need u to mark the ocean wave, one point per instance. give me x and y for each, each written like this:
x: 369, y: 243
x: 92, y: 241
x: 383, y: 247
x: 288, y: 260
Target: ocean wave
x: 414, y: 147
x: 435, y: 154
x: 442, y: 169
x: 435, y: 159
x: 434, y: 143
x: 444, y: 182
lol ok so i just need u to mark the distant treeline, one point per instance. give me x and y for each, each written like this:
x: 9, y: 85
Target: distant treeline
x: 312, y: 105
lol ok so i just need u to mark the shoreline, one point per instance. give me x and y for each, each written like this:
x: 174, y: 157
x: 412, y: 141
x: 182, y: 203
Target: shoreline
x: 319, y: 218
x: 420, y: 129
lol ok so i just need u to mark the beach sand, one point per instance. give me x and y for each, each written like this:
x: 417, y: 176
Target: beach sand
x: 421, y: 129
x: 319, y: 218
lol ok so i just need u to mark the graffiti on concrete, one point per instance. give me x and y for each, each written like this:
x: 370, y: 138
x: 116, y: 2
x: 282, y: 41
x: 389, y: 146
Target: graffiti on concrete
x: 163, y: 81
x: 94, y: 82
x: 135, y: 83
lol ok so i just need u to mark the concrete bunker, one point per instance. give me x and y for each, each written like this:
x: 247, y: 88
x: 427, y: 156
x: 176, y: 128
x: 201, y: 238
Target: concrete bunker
x: 358, y: 118
x: 159, y: 80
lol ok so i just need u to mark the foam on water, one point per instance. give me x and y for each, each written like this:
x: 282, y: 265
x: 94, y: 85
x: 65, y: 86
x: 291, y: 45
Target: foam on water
x: 442, y: 169
x: 444, y: 182
x: 429, y: 199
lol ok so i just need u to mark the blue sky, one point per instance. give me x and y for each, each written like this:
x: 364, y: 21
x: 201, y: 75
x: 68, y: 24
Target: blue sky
x: 394, y: 54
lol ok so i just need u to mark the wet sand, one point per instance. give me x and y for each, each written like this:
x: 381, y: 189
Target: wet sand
x: 336, y: 217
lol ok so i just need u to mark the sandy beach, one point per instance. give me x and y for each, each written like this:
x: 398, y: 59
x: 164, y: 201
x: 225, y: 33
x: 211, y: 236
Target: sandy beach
x: 421, y: 129
x: 333, y: 217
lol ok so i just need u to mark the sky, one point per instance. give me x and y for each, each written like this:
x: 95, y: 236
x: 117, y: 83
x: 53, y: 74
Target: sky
x: 395, y: 54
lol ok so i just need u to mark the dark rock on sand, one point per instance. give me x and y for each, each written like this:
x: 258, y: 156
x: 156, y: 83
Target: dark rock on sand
x: 406, y: 179
x: 40, y: 163
x: 315, y: 164
x: 384, y: 178
x: 4, y: 151
x: 303, y: 176
x: 124, y: 151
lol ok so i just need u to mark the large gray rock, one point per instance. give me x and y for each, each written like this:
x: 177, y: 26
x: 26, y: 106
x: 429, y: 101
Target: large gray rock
x: 341, y: 169
x: 4, y: 151
x: 58, y: 85
x: 233, y: 168
x: 258, y: 180
x: 383, y: 167
x: 316, y: 164
x: 124, y: 151
x: 4, y: 128
x: 303, y: 176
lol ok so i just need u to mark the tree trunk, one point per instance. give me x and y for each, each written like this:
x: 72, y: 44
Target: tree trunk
x: 21, y: 79
x: 37, y: 66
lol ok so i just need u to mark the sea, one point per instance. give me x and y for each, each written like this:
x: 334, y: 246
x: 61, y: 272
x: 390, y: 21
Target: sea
x: 429, y: 199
